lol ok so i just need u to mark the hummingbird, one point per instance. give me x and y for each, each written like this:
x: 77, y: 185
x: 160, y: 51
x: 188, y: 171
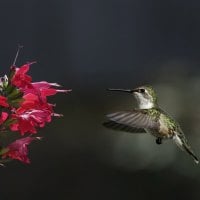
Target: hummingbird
x: 149, y: 118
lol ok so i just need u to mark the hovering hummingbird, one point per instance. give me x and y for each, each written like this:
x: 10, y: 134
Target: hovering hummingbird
x: 150, y: 118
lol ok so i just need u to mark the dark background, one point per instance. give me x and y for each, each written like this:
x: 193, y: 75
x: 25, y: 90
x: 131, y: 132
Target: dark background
x: 90, y: 45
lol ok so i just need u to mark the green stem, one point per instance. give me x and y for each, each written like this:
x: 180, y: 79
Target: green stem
x: 3, y: 151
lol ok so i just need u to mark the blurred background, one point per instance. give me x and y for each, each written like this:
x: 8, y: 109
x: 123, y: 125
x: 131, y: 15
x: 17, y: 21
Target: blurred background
x: 89, y: 46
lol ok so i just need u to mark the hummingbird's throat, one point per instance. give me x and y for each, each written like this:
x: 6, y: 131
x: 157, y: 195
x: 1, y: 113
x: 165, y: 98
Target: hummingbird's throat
x: 144, y: 103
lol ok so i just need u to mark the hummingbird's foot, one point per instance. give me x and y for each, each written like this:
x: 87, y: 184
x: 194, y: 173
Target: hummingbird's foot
x: 159, y: 141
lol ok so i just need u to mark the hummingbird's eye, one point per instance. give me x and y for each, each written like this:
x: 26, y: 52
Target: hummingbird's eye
x: 141, y: 90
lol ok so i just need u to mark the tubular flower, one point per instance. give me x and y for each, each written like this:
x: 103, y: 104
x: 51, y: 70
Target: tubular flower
x: 20, y: 78
x: 3, y: 117
x: 3, y: 101
x: 18, y: 150
x: 27, y: 121
x: 31, y: 114
x: 44, y: 89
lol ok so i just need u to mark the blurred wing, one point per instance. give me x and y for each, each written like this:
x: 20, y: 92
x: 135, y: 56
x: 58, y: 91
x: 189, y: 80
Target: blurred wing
x: 136, y: 118
x: 121, y: 127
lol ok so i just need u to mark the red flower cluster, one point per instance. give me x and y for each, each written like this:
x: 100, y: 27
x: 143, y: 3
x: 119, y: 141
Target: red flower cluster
x: 24, y: 108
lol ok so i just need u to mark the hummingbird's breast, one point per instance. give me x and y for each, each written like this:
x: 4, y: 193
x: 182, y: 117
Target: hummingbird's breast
x: 166, y: 127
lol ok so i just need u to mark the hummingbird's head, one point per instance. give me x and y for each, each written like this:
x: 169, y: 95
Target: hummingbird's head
x: 145, y: 96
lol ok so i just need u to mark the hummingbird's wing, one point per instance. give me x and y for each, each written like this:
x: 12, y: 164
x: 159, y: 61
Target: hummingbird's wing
x: 121, y: 127
x: 135, y: 119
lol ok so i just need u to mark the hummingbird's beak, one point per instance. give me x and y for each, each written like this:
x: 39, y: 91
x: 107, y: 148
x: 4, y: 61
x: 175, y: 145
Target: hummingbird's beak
x: 121, y: 90
x: 135, y: 90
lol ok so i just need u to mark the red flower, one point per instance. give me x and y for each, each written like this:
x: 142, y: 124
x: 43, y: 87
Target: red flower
x: 31, y: 114
x: 43, y: 89
x: 3, y: 117
x: 27, y: 108
x: 20, y: 78
x: 30, y: 101
x: 29, y: 120
x: 3, y: 101
x: 18, y: 150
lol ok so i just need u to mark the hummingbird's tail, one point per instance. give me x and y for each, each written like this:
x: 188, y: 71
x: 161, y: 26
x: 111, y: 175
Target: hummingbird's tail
x: 182, y: 143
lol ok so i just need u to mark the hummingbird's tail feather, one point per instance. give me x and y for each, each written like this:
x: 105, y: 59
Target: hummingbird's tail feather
x: 182, y: 143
